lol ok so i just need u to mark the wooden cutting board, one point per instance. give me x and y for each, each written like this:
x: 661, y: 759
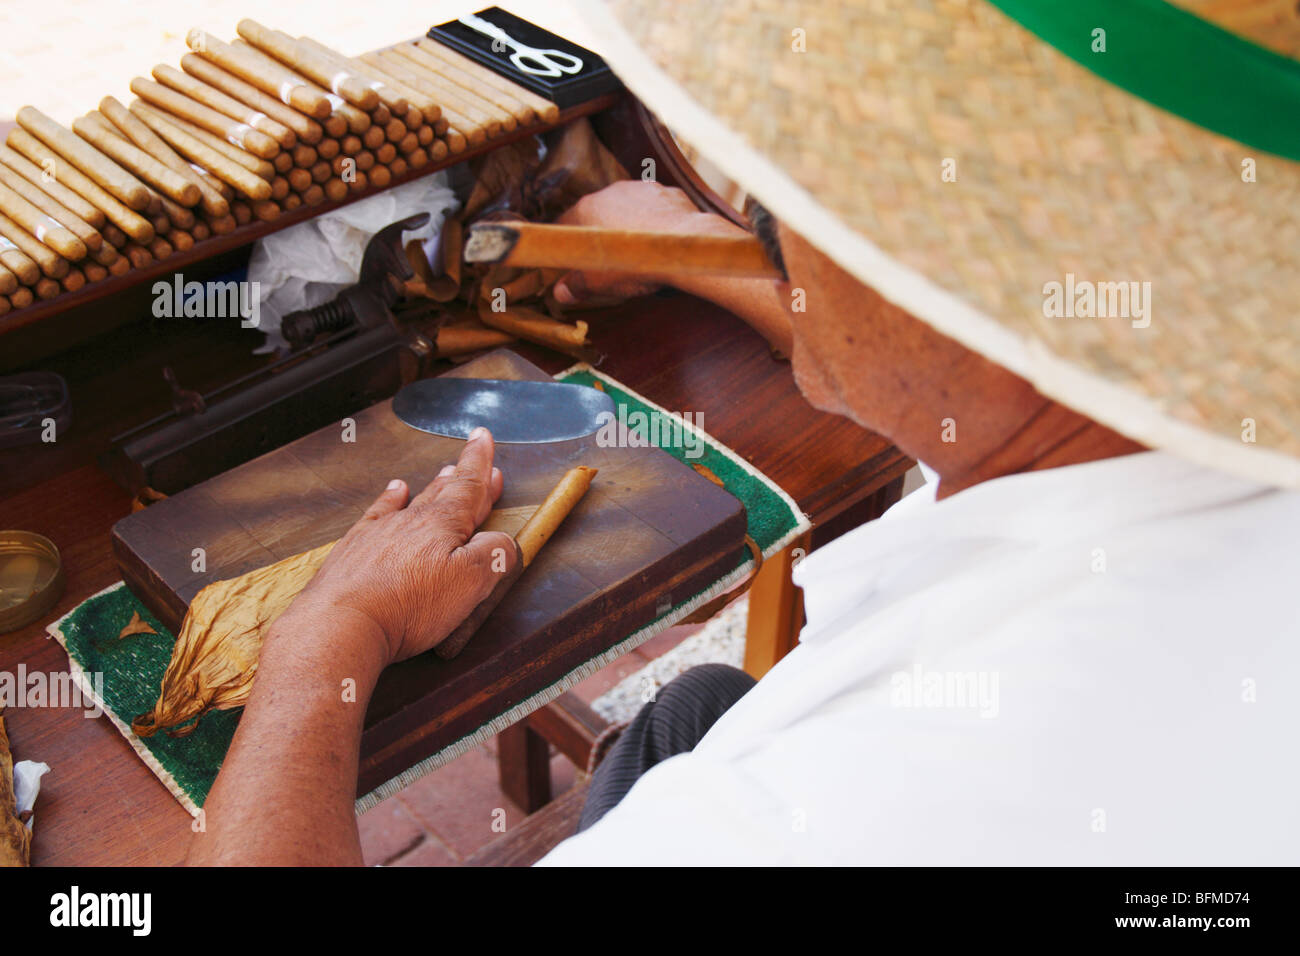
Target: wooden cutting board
x: 649, y: 534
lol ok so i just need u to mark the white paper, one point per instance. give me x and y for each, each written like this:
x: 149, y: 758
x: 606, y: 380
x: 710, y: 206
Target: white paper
x: 27, y: 785
x: 307, y: 264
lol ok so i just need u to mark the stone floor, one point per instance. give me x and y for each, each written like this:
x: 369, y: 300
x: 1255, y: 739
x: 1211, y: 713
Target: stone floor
x: 446, y: 816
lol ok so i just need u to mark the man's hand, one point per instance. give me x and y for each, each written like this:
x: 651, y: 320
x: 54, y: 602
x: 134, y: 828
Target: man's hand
x: 633, y: 204
x: 416, y: 571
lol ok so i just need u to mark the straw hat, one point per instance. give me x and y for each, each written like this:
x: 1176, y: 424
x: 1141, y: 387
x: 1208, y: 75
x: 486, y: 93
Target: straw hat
x: 1010, y: 182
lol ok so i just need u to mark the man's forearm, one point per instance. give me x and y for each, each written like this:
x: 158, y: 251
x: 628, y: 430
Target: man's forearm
x: 287, y: 787
x: 760, y: 302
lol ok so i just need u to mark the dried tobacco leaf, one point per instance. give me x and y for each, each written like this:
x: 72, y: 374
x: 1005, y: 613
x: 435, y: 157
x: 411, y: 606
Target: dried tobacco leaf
x: 137, y: 626
x: 215, y: 658
x: 15, y: 839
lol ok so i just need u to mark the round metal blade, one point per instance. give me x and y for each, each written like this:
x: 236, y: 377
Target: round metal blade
x: 514, y: 411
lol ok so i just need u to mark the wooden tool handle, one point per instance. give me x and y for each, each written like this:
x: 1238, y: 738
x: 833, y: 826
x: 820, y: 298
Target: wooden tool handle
x: 528, y: 244
x: 455, y: 642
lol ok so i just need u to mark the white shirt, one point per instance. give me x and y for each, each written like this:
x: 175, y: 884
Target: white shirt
x: 1097, y: 664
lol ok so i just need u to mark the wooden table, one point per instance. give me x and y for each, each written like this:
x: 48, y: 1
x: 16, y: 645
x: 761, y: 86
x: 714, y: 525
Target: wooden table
x: 100, y: 804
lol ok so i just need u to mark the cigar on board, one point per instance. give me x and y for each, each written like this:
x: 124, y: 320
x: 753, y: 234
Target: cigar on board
x: 529, y: 244
x: 536, y: 531
x: 309, y: 62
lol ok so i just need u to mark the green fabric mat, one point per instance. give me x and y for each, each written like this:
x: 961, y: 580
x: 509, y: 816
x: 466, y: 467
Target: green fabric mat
x: 133, y: 667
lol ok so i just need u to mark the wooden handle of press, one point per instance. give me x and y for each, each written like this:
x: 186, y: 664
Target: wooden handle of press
x: 455, y: 642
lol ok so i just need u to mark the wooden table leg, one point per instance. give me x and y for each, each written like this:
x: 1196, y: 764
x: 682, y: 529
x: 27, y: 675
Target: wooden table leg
x: 775, y: 610
x: 524, y: 766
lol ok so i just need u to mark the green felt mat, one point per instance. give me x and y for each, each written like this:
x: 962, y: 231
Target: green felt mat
x: 133, y: 667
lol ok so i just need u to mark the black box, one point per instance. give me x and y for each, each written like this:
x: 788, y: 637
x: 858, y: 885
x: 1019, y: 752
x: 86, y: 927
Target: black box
x: 595, y: 78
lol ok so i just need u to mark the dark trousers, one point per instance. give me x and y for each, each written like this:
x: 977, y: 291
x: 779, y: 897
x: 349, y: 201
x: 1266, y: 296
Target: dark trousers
x: 673, y: 723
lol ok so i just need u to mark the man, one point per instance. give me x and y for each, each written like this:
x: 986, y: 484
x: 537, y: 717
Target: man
x: 1071, y: 649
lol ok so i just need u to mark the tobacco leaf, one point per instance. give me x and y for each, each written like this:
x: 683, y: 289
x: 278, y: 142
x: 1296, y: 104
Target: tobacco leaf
x: 137, y: 626
x: 215, y: 658
x: 15, y: 838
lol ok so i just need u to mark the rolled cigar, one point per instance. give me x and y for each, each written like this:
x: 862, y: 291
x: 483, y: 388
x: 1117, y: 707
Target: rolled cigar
x: 177, y: 216
x: 100, y: 133
x: 424, y: 135
x: 47, y: 289
x: 547, y: 111
x: 47, y: 205
x: 256, y: 68
x: 94, y: 272
x: 306, y: 60
x: 205, y: 118
x: 546, y: 520
x: 395, y: 130
x: 459, y: 108
x: 74, y: 280
x: 365, y: 160
x: 456, y: 142
x: 138, y: 255
x: 131, y: 126
x: 408, y: 144
x: 201, y: 152
x: 381, y: 115
x: 90, y: 214
x: 4, y: 304
x: 105, y: 255
x: 461, y: 339
x: 116, y: 238
x: 213, y: 98
x: 437, y: 149
x: 283, y: 162
x: 327, y: 148
x: 440, y: 127
x: 386, y: 154
x: 399, y: 167
x: 21, y: 297
x: 266, y: 210
x: 160, y: 248
x: 94, y: 164
x: 359, y: 183
x: 414, y: 120
x: 529, y: 244
x: 313, y: 195
x: 8, y: 281
x: 291, y: 202
x: 304, y: 127
x: 161, y: 223
x: 336, y: 189
x: 180, y: 240
x: 304, y: 157
x: 322, y: 170
x: 200, y: 231
x: 223, y: 225
x: 46, y: 228
x: 242, y: 212
x: 351, y: 145
x: 539, y: 529
x: 299, y: 180
x: 51, y: 263
x: 417, y: 158
x: 335, y: 126
x: 533, y: 326
x: 457, y: 83
x: 279, y: 188
x: 120, y: 267
x: 391, y: 98
x: 380, y: 177
x: 399, y: 78
x: 373, y: 138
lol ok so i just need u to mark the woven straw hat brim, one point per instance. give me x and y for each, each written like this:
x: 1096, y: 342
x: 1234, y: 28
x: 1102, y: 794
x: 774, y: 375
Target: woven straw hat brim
x: 1060, y: 177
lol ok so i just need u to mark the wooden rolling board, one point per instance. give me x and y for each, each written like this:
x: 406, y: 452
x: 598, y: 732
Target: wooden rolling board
x: 649, y: 534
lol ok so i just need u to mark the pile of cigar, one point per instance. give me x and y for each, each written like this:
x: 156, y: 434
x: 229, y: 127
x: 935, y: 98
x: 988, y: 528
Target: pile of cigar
x: 241, y: 133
